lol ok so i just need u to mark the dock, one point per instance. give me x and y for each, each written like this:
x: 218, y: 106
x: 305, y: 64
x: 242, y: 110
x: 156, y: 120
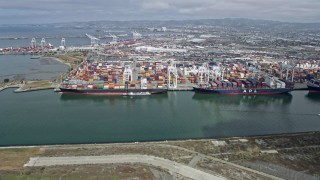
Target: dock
x: 300, y: 87
x: 181, y: 88
x: 31, y: 86
x: 11, y: 86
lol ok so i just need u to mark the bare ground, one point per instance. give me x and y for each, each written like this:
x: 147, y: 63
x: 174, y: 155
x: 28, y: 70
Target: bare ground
x: 298, y: 153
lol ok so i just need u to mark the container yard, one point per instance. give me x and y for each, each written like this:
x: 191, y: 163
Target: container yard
x: 175, y: 60
x: 126, y: 76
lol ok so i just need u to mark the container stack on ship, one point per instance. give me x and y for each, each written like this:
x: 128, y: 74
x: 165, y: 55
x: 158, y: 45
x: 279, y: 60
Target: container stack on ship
x: 105, y: 78
x: 271, y: 85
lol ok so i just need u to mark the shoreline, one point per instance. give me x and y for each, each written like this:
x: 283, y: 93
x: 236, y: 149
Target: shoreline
x: 9, y: 87
x: 19, y: 88
x: 57, y: 59
x: 162, y: 141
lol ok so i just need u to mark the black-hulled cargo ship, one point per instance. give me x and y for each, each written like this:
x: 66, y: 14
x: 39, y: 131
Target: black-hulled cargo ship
x: 82, y: 87
x: 113, y: 92
x: 244, y: 91
x: 246, y: 87
x: 113, y: 79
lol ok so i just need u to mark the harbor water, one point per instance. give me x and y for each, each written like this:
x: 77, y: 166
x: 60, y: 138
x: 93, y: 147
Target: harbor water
x: 45, y: 117
x: 23, y: 67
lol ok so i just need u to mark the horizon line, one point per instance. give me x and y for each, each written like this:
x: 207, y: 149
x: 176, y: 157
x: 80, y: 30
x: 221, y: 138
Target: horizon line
x: 164, y: 20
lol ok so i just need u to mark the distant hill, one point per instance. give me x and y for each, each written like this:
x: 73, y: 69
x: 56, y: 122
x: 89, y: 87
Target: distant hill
x: 237, y: 23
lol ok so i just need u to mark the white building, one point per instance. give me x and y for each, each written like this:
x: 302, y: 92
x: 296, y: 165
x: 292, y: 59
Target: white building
x: 154, y: 49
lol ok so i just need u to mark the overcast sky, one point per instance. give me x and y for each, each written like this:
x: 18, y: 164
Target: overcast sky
x: 48, y: 11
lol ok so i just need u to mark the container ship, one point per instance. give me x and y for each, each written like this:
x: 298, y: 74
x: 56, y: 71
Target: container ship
x: 102, y: 78
x: 271, y: 85
x: 81, y: 87
x: 114, y: 92
x: 314, y: 85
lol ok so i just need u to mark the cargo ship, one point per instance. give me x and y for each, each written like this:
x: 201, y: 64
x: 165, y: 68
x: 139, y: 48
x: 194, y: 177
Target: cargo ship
x: 314, y: 85
x: 114, y: 92
x: 271, y: 85
x: 115, y: 79
x: 101, y: 89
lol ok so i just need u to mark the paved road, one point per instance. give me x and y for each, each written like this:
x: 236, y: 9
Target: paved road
x: 145, y: 159
x: 194, y: 161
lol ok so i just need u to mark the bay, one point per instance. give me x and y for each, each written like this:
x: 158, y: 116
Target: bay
x: 45, y: 117
x: 23, y: 67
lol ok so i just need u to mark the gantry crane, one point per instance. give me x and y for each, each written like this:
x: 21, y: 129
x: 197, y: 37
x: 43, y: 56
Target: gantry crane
x: 94, y: 40
x: 172, y: 75
x: 127, y: 74
x: 33, y: 43
x: 203, y: 74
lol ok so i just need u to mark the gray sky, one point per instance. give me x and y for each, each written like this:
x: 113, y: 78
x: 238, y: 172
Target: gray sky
x: 48, y: 11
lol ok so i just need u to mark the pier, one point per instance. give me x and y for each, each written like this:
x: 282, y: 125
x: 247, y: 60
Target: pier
x: 181, y: 88
x: 30, y: 86
x: 300, y: 87
x: 11, y: 86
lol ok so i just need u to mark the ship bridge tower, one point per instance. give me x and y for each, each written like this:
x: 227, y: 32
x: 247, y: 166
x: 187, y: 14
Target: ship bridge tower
x: 172, y: 76
x: 127, y: 74
x: 144, y: 83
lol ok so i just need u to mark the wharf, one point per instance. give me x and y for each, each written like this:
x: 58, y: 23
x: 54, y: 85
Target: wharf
x: 32, y: 89
x: 13, y: 84
x: 36, y: 86
x: 181, y: 89
x: 300, y: 87
x: 31, y: 86
x: 10, y: 86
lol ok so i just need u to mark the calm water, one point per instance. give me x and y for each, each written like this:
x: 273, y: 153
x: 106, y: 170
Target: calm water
x: 22, y: 67
x: 53, y: 35
x: 45, y: 117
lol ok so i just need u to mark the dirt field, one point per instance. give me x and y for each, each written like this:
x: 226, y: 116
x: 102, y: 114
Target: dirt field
x: 36, y: 84
x: 72, y: 59
x: 14, y: 159
x: 299, y: 153
x: 287, y: 156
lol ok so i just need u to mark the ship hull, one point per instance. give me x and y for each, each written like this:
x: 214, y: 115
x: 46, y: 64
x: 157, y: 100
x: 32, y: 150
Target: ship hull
x: 313, y: 89
x: 243, y: 91
x: 111, y: 92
